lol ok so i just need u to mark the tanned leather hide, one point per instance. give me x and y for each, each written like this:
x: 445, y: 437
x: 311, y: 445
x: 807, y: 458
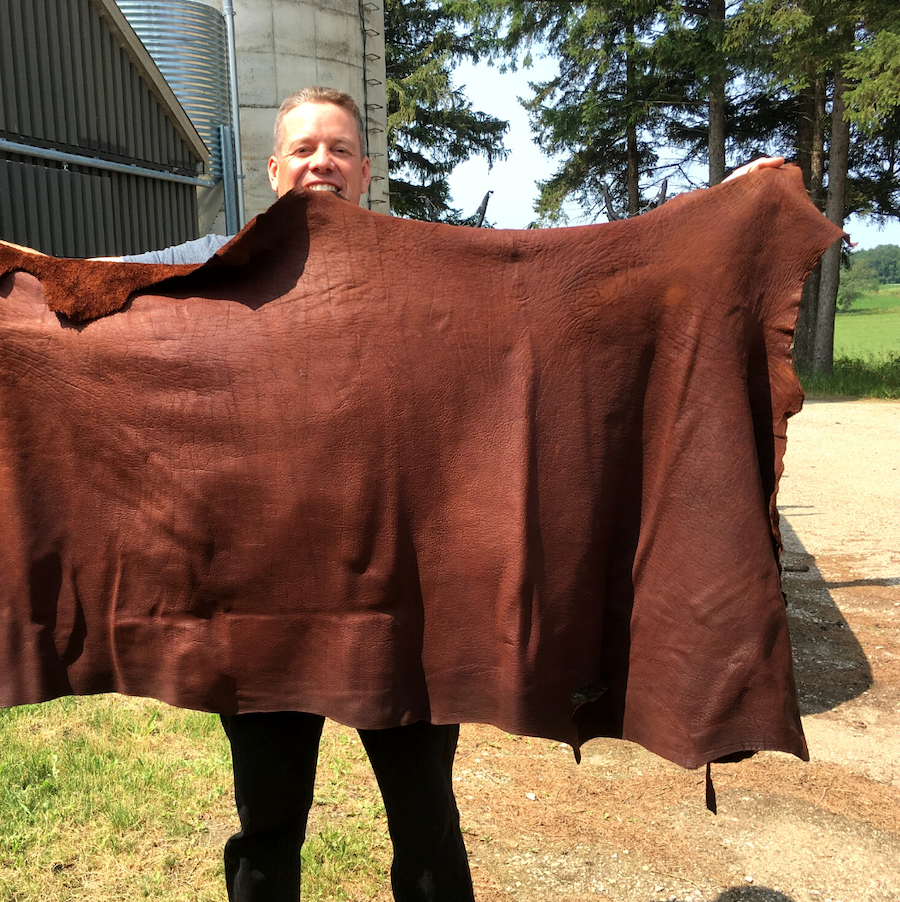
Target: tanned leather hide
x: 386, y: 471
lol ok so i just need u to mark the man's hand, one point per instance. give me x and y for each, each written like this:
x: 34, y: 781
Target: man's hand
x: 761, y: 163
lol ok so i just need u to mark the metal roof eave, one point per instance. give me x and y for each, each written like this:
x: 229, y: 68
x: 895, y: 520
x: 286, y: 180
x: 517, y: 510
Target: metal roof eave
x: 147, y: 69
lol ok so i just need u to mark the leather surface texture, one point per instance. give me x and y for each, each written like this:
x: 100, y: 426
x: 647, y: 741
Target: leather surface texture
x: 390, y: 471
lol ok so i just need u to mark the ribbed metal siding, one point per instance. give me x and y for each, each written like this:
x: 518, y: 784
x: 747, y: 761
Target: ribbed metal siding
x: 79, y: 212
x: 65, y: 83
x: 187, y: 42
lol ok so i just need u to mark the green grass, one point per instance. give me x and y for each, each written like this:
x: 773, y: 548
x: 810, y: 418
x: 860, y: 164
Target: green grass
x: 856, y: 378
x: 109, y: 798
x: 866, y: 350
x: 871, y: 328
x: 886, y: 297
x: 346, y: 855
x: 112, y: 798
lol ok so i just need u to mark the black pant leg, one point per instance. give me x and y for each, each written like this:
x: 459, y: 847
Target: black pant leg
x: 274, y: 758
x: 414, y: 769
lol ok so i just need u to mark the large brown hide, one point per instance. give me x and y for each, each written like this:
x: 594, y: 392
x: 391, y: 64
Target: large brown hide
x: 388, y: 471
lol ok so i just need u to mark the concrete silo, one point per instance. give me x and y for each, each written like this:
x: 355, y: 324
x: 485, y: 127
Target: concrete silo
x: 283, y: 45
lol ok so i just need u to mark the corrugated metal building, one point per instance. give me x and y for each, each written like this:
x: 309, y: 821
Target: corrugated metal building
x: 97, y: 157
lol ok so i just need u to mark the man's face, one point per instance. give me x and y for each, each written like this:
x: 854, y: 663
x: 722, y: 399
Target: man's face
x: 320, y: 152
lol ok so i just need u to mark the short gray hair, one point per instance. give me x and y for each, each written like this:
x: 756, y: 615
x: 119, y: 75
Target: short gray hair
x: 319, y: 94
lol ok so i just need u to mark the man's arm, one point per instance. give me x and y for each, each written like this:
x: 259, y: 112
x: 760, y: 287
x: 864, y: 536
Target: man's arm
x: 19, y: 247
x: 197, y: 251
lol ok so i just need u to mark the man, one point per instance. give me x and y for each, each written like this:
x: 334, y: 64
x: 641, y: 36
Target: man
x: 319, y: 146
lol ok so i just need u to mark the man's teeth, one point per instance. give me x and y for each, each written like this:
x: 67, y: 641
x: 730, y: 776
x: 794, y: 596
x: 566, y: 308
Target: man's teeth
x: 323, y: 188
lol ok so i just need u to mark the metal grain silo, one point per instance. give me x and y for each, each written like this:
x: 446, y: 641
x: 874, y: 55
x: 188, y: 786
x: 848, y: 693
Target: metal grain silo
x: 187, y: 41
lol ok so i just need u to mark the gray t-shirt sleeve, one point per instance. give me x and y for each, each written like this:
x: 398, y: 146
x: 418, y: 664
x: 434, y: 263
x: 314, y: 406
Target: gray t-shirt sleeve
x: 197, y: 251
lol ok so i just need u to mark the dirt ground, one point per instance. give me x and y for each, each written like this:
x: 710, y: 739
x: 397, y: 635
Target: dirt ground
x: 625, y: 826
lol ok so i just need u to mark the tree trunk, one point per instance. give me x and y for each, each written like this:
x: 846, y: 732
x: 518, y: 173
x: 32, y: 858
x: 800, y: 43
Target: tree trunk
x: 811, y: 158
x: 838, y: 164
x: 805, y: 335
x: 634, y: 189
x: 717, y: 82
x: 806, y: 116
x: 817, y: 170
x: 633, y: 174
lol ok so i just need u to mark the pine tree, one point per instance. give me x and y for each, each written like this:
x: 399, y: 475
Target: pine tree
x: 603, y: 110
x: 431, y: 125
x: 692, y: 53
x: 816, y: 48
x: 873, y: 68
x: 814, y: 79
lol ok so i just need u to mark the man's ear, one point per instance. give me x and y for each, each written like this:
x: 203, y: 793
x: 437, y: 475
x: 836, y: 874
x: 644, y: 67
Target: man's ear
x: 272, y: 169
x: 366, y: 174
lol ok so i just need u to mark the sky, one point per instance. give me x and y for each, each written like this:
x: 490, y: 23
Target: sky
x: 513, y: 180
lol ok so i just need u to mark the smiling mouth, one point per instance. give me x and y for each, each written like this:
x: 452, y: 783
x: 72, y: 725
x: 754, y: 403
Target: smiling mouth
x: 321, y: 187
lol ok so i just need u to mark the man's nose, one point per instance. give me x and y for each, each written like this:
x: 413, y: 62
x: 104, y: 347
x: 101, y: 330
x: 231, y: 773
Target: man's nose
x: 321, y: 159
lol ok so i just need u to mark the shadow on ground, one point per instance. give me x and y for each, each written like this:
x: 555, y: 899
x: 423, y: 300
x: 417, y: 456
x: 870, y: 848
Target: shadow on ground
x: 752, y: 894
x: 830, y: 665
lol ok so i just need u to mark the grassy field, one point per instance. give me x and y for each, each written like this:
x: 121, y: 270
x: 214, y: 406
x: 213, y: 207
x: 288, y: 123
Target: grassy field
x: 111, y: 798
x: 872, y: 327
x: 866, y: 350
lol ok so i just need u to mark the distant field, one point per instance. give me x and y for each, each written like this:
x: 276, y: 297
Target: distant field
x: 887, y: 296
x: 872, y: 327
